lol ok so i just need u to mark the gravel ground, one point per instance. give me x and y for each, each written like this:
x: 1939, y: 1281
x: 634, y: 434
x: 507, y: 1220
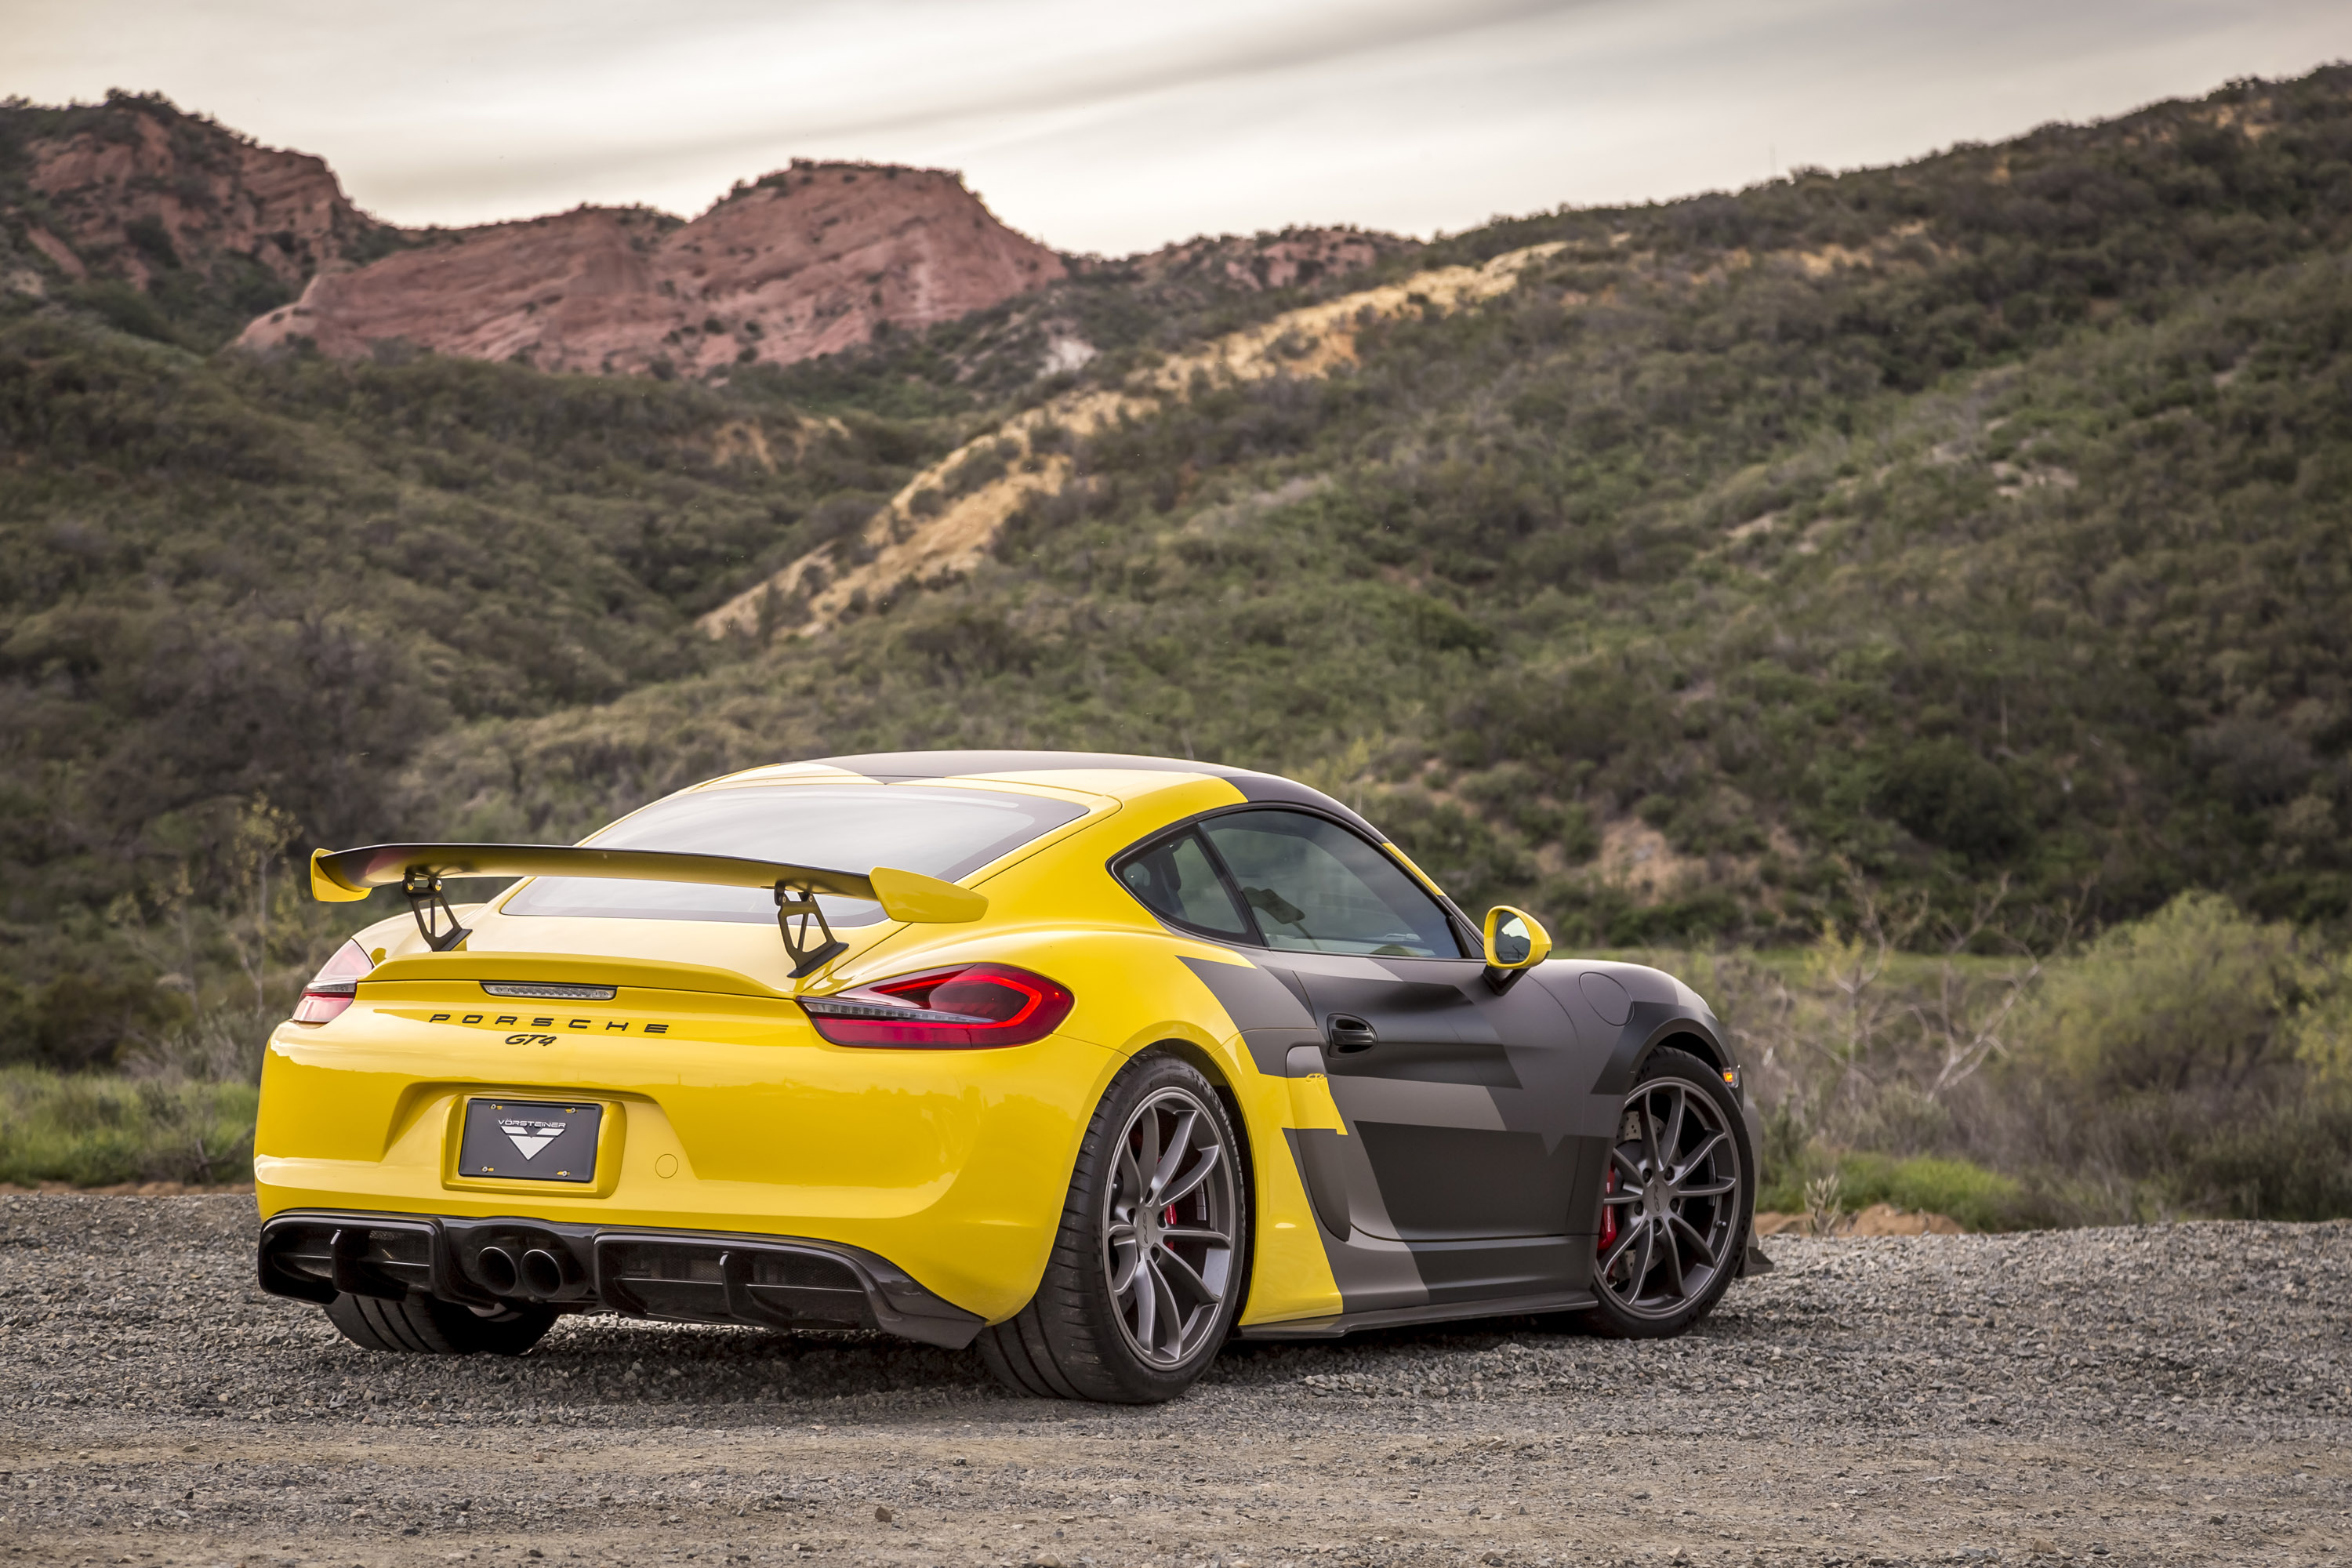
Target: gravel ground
x: 2180, y: 1393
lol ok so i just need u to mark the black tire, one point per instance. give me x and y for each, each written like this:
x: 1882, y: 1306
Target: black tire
x: 1080, y: 1337
x: 1681, y: 1186
x: 420, y: 1325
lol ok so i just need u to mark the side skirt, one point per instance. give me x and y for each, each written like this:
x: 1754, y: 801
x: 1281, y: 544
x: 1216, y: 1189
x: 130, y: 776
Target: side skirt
x: 1333, y: 1327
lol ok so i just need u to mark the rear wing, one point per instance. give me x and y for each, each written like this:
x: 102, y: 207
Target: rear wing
x: 346, y: 876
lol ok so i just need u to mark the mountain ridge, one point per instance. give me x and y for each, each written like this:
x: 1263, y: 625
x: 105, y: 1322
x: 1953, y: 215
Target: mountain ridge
x: 805, y: 261
x: 167, y: 219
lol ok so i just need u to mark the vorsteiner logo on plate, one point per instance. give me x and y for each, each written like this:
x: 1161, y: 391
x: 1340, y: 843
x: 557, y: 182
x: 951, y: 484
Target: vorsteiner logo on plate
x: 531, y: 1137
x: 539, y: 1140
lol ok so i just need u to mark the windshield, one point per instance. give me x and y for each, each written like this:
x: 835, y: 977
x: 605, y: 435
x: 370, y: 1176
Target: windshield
x: 943, y: 833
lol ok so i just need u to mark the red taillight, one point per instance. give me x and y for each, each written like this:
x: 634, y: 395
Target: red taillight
x: 971, y: 1006
x: 331, y: 989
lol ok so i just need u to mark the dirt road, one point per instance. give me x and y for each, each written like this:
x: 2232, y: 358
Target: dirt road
x: 2177, y: 1394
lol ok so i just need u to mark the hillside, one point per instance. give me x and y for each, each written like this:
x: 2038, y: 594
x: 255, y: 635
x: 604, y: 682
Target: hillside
x: 1982, y: 519
x: 1969, y: 525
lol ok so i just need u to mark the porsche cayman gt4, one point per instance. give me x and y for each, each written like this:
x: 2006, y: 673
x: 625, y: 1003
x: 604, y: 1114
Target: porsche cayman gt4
x: 1095, y: 1060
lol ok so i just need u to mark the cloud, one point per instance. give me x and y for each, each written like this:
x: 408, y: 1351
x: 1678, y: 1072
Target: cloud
x: 943, y: 95
x: 1120, y: 127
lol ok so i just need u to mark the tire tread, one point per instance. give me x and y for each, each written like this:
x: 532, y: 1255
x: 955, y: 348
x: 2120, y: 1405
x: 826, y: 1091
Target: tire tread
x: 419, y: 1325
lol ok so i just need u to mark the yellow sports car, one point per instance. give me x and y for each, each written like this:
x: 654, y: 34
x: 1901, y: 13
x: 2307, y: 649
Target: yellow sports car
x: 1093, y: 1059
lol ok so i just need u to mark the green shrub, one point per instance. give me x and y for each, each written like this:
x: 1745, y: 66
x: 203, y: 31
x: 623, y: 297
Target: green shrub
x: 2289, y: 1162
x: 95, y: 1130
x: 1980, y: 1199
x: 1977, y: 1198
x: 1945, y: 793
x: 2193, y: 996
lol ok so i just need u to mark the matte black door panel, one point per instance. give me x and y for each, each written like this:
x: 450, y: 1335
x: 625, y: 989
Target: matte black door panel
x: 1469, y: 1184
x: 1472, y: 1120
x: 1429, y: 1031
x: 1464, y: 1103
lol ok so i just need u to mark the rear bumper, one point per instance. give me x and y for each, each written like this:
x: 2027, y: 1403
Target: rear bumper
x: 678, y: 1275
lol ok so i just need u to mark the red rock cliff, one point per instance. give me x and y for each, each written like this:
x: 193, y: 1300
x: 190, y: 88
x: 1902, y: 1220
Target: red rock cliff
x: 132, y: 188
x: 807, y: 261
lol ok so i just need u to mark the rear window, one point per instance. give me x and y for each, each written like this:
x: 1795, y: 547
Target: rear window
x: 1176, y: 879
x: 943, y: 833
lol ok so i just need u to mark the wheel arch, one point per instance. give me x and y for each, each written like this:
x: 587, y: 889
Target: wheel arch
x: 1655, y: 1026
x: 1691, y: 1040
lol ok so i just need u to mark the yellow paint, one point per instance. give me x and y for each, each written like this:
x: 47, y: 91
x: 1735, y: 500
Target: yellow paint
x: 329, y: 889
x: 1539, y: 939
x: 911, y: 896
x: 1311, y: 1105
x: 725, y: 1111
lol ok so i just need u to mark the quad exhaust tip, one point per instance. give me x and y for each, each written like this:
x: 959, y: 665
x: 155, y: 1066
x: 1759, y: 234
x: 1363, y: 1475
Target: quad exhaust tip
x: 545, y: 1274
x: 496, y: 1267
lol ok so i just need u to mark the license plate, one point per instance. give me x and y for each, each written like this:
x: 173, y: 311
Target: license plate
x: 537, y: 1139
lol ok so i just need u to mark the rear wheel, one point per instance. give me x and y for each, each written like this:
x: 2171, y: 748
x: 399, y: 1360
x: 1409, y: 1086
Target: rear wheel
x: 1146, y: 1274
x: 419, y: 1325
x: 1676, y: 1205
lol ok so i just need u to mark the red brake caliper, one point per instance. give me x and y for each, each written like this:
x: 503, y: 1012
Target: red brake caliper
x: 1169, y: 1217
x: 1609, y: 1214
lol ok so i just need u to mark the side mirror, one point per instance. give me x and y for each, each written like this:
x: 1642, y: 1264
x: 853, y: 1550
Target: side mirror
x: 1516, y: 940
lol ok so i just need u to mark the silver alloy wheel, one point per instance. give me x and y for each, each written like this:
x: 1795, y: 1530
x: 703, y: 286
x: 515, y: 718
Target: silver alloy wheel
x: 1170, y: 1210
x: 1674, y: 1195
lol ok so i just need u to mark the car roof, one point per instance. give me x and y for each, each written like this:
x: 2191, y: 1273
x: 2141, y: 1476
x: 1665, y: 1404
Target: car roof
x: 1126, y: 777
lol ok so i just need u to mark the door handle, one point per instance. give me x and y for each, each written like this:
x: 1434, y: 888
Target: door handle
x: 1349, y: 1033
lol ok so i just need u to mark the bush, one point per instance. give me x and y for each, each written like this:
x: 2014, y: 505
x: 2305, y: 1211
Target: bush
x: 2290, y: 1162
x: 2193, y: 996
x: 1961, y: 1190
x: 79, y: 1021
x: 93, y: 1131
x: 1466, y: 855
x: 1947, y: 794
x: 1977, y: 1198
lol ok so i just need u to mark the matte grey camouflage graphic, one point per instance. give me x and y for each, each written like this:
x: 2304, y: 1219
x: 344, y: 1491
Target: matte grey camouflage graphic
x: 1477, y: 1123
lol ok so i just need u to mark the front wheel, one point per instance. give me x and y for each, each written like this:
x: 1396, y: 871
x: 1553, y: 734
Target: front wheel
x: 1676, y: 1204
x: 1145, y: 1278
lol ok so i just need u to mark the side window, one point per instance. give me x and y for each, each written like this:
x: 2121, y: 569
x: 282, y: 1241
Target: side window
x: 1176, y: 878
x: 1312, y: 886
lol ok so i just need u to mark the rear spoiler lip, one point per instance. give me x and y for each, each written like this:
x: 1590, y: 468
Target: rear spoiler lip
x: 346, y: 876
x: 651, y: 978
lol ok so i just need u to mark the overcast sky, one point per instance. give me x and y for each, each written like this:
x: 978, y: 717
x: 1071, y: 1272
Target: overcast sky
x: 1117, y: 127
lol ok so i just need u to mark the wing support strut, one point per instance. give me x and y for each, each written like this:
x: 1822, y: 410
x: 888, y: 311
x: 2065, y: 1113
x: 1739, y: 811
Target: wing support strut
x: 796, y: 906
x: 436, y: 922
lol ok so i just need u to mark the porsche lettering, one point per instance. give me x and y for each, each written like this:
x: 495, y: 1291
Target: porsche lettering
x: 582, y: 1025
